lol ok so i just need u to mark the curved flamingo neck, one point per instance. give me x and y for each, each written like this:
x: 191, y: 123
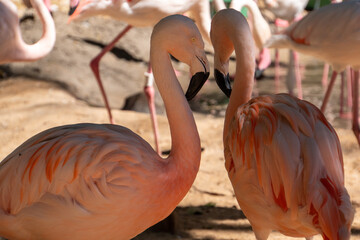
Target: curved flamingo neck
x: 47, y: 41
x: 185, y: 150
x: 238, y: 37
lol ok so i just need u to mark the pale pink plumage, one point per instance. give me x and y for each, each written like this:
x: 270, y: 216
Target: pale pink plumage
x: 12, y: 46
x: 332, y: 34
x: 283, y: 158
x: 93, y: 181
x: 287, y: 10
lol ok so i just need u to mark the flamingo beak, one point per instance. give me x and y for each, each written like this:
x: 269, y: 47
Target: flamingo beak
x: 197, y: 81
x: 72, y: 10
x: 223, y: 81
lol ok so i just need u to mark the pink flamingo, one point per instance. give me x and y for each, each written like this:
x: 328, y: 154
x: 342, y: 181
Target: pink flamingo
x: 139, y: 13
x: 12, y: 46
x: 288, y: 11
x: 322, y: 34
x: 283, y: 157
x: 103, y: 181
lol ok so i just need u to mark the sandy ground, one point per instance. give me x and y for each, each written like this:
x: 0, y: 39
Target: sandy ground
x: 60, y: 89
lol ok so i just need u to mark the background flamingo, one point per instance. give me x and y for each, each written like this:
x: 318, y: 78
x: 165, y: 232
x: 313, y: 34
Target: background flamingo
x: 139, y: 13
x: 331, y: 34
x: 283, y: 158
x: 93, y: 181
x: 12, y: 46
x: 286, y: 12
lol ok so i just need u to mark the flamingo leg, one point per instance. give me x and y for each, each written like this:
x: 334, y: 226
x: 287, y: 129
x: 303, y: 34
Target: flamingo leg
x: 277, y: 70
x: 328, y: 91
x: 343, y: 114
x: 355, y: 96
x: 348, y: 78
x: 94, y: 65
x: 264, y: 59
x: 150, y: 95
x: 324, y: 80
x: 342, y: 94
x: 297, y: 74
x: 277, y: 61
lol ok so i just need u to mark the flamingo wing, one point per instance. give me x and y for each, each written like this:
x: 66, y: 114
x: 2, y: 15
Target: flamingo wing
x: 78, y: 162
x: 281, y: 152
x: 328, y: 26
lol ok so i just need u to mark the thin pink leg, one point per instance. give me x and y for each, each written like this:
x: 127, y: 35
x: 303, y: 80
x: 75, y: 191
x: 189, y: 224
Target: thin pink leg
x: 298, y: 74
x: 324, y: 80
x: 94, y: 65
x: 349, y: 95
x: 342, y: 94
x: 277, y: 70
x: 328, y: 91
x: 264, y: 59
x: 343, y: 114
x: 150, y: 94
x: 277, y: 61
x: 355, y: 96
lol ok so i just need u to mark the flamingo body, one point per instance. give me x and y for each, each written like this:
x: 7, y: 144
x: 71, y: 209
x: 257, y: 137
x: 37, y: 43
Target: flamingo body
x: 285, y: 163
x: 93, y: 181
x: 286, y: 9
x: 84, y: 188
x: 143, y: 13
x: 12, y: 46
x: 330, y: 33
x: 283, y: 158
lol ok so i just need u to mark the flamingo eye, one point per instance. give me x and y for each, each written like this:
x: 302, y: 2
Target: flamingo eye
x: 193, y: 39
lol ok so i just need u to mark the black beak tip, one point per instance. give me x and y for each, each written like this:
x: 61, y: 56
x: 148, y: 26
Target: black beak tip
x: 72, y: 10
x: 259, y: 73
x: 196, y: 83
x: 223, y: 81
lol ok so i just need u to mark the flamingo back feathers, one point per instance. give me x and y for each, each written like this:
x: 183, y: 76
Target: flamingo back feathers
x: 296, y: 164
x: 54, y: 163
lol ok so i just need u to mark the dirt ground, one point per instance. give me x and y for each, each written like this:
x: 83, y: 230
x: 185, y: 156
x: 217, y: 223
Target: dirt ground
x: 60, y: 89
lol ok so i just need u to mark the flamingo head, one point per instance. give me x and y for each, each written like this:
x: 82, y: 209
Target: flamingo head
x: 180, y: 37
x: 82, y: 9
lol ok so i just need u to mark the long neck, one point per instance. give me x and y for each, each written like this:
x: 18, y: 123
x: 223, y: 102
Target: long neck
x: 244, y: 76
x: 260, y: 29
x: 185, y: 150
x: 47, y: 41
